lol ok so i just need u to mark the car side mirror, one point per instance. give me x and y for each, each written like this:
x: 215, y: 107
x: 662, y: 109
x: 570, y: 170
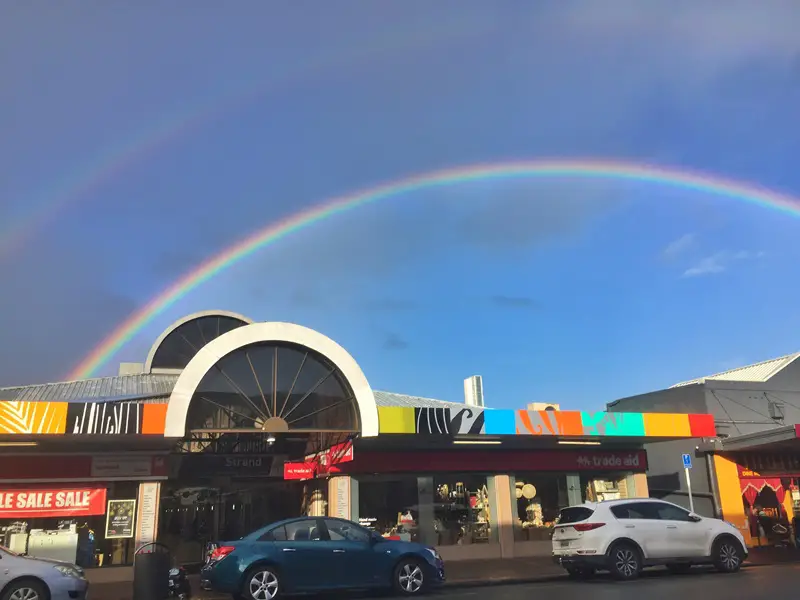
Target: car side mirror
x: 376, y: 538
x: 695, y: 518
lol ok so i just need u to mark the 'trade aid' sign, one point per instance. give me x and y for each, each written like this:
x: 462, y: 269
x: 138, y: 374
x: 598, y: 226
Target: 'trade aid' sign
x: 28, y: 504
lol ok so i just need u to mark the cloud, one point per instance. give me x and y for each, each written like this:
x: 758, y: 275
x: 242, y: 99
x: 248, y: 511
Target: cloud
x: 720, y: 262
x: 678, y: 247
x: 390, y: 305
x: 394, y: 342
x: 514, y: 302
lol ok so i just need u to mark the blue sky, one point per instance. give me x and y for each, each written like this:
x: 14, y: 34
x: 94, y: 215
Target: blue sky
x: 567, y: 291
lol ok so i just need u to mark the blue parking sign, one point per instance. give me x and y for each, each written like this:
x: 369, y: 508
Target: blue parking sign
x: 687, y: 461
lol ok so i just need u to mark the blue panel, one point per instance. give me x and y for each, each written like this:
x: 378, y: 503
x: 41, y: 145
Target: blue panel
x: 500, y: 422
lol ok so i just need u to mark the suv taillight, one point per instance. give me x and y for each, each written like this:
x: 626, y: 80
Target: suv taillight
x: 587, y: 526
x: 221, y: 552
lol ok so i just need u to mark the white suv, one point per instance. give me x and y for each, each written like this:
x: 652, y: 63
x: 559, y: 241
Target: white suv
x: 623, y: 536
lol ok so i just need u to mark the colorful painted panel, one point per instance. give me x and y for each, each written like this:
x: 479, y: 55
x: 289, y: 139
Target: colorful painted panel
x: 667, y: 425
x: 396, y: 419
x: 115, y: 418
x: 613, y: 423
x: 32, y: 418
x: 467, y: 420
x: 548, y: 422
x: 702, y: 425
x: 500, y: 422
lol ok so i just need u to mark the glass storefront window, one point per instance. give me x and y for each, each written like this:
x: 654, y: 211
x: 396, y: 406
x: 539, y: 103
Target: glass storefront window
x: 539, y: 497
x: 390, y: 506
x: 462, y: 510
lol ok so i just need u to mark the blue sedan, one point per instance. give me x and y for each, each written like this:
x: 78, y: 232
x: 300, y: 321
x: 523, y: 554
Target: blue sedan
x: 314, y: 554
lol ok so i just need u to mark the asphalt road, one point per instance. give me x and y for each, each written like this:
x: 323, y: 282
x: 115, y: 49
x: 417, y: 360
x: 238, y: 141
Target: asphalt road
x: 754, y: 583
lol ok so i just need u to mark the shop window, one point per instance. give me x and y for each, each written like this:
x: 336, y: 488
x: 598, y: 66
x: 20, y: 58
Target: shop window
x: 539, y: 498
x: 389, y: 506
x: 344, y: 530
x: 605, y: 487
x: 462, y: 510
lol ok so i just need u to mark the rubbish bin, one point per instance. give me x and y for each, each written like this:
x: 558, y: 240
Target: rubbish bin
x: 151, y: 565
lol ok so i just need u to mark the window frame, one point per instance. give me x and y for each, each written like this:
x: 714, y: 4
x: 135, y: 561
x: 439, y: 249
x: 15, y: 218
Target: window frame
x: 351, y: 524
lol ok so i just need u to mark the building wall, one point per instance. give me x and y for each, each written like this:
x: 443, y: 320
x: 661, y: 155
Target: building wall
x: 665, y: 475
x: 742, y: 408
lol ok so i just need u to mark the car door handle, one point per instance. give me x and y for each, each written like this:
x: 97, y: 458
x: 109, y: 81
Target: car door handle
x: 288, y: 549
x: 338, y: 551
x: 672, y: 526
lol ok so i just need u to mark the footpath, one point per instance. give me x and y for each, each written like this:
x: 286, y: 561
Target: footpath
x: 465, y: 573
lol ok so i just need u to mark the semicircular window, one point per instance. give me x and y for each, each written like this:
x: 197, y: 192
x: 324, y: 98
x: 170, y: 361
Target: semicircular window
x: 181, y: 345
x: 273, y: 387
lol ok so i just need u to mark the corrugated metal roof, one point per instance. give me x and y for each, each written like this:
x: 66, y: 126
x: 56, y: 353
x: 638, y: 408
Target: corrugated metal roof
x: 759, y: 372
x: 103, y: 388
x: 392, y: 399
x: 150, y: 387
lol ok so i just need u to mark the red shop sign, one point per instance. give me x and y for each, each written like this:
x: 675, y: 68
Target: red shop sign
x: 75, y: 502
x: 298, y: 470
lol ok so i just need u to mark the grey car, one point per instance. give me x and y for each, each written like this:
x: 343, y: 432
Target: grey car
x: 26, y: 578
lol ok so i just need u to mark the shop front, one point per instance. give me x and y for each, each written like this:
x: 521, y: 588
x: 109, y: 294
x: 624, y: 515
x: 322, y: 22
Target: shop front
x: 758, y: 478
x: 79, y: 508
x: 257, y: 422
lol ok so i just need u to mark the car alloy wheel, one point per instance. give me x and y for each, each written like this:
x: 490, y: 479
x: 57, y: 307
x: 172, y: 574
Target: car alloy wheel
x: 729, y: 556
x: 410, y: 578
x: 263, y: 585
x: 626, y: 563
x: 25, y: 592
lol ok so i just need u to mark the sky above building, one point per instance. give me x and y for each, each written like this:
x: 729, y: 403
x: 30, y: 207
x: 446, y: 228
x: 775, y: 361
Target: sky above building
x: 141, y: 139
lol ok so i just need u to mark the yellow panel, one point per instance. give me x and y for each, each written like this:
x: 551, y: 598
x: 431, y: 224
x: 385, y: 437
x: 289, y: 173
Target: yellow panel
x: 396, y: 419
x: 33, y: 418
x: 730, y: 495
x: 666, y: 425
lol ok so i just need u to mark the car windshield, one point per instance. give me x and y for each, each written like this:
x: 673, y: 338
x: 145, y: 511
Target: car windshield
x: 573, y: 514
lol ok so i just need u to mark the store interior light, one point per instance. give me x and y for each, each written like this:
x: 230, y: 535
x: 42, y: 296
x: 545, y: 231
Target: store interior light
x: 578, y: 443
x: 477, y: 442
x: 17, y: 444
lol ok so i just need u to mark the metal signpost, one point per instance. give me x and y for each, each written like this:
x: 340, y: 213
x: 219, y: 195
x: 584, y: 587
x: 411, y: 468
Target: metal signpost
x: 687, y: 464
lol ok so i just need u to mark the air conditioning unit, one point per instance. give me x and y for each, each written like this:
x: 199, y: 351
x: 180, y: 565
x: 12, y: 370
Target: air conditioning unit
x: 543, y: 406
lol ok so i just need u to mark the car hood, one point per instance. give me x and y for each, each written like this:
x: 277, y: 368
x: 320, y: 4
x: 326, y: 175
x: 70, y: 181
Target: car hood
x: 49, y: 562
x: 413, y: 547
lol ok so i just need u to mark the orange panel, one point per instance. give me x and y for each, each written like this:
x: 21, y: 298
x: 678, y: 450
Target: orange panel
x: 33, y: 418
x: 730, y: 495
x: 569, y: 422
x: 666, y: 425
x: 154, y: 417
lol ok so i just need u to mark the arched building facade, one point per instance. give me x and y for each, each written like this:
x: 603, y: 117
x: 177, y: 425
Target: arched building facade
x: 229, y: 424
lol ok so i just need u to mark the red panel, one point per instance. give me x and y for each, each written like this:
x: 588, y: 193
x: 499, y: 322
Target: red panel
x: 702, y: 426
x: 46, y: 467
x: 495, y: 462
x: 73, y: 502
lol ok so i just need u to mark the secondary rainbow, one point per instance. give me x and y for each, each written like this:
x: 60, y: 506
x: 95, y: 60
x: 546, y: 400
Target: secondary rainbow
x: 545, y: 168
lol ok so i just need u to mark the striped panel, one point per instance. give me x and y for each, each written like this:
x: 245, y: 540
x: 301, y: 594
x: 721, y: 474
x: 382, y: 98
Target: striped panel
x: 667, y: 425
x: 396, y: 419
x: 33, y: 418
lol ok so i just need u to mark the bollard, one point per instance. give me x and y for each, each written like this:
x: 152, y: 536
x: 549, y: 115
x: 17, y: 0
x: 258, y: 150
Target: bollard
x: 151, y: 565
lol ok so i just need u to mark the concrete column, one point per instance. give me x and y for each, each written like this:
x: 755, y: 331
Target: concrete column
x: 502, y: 512
x: 343, y: 497
x: 574, y: 492
x: 427, y: 532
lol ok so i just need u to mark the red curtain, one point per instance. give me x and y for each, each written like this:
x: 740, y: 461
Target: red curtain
x: 750, y: 493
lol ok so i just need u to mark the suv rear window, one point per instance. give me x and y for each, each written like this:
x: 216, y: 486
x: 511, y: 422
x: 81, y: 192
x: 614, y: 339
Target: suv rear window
x: 573, y: 514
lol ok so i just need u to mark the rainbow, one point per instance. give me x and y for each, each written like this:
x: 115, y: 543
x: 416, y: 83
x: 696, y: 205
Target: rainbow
x: 111, y: 161
x: 545, y: 168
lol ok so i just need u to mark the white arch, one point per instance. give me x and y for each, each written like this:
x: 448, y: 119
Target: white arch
x: 148, y: 364
x: 256, y: 333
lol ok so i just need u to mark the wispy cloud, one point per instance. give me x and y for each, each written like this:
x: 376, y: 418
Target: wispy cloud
x: 519, y: 302
x: 394, y: 342
x: 720, y: 262
x: 679, y: 246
